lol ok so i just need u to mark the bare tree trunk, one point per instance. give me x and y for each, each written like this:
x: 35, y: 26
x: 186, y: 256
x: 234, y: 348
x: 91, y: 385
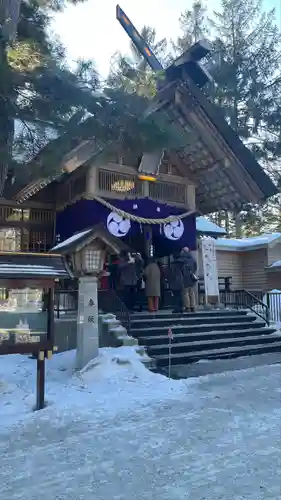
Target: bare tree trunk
x: 6, y: 116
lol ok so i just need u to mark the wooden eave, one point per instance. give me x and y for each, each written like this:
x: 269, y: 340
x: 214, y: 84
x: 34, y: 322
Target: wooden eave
x: 226, y: 172
x: 67, y: 161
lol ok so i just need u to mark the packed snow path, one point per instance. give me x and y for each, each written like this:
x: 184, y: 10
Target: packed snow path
x: 216, y: 438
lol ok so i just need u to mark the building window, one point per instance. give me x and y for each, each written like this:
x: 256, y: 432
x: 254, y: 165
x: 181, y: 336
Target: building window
x: 10, y: 239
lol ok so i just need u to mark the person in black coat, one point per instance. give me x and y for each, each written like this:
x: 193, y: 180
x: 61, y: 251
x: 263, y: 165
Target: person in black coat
x: 189, y: 279
x: 162, y: 268
x: 128, y: 279
x: 176, y: 281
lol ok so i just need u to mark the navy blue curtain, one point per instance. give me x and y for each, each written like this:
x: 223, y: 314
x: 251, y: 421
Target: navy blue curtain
x: 87, y: 213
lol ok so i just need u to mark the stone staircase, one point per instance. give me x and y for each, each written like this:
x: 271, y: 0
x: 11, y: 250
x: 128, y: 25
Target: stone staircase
x: 204, y: 335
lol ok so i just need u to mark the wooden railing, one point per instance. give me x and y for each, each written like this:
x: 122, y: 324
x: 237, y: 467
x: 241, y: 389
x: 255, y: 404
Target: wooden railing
x: 114, y: 184
x: 25, y: 215
x: 165, y: 191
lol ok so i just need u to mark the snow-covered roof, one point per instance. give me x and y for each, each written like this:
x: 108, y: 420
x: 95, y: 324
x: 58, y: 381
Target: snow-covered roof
x: 204, y: 225
x: 275, y: 264
x: 71, y: 240
x: 30, y: 269
x: 28, y: 265
x: 79, y: 240
x: 247, y: 243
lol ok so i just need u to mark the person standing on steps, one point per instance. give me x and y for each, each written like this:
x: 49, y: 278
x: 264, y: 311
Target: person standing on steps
x: 176, y: 281
x: 189, y: 279
x: 162, y: 284
x: 152, y: 276
x: 140, y: 283
x: 128, y: 279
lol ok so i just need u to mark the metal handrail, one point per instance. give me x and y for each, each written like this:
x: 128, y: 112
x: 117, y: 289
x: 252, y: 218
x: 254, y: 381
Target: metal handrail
x: 110, y: 302
x: 261, y: 303
x: 244, y: 298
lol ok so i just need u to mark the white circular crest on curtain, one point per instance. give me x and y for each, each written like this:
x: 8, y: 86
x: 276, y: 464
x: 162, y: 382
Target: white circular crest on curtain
x: 118, y: 225
x: 174, y: 230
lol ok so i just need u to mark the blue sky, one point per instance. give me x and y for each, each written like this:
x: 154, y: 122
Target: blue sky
x: 90, y: 30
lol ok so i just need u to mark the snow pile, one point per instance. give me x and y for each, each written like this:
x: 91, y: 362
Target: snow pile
x: 114, y: 382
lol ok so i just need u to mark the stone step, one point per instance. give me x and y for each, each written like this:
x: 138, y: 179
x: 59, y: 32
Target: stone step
x: 213, y: 366
x: 204, y: 345
x: 223, y: 353
x: 151, y: 340
x: 164, y: 314
x: 154, y: 323
x: 185, y: 329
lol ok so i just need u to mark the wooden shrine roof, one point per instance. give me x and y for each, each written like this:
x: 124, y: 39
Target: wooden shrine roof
x: 226, y: 172
x: 21, y: 265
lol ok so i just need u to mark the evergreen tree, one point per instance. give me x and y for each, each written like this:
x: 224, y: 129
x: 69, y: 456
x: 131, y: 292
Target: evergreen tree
x: 132, y: 72
x: 247, y: 49
x: 247, y: 55
x: 27, y: 56
x: 194, y: 26
x: 42, y: 100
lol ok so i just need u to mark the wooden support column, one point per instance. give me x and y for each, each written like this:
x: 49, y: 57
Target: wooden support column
x: 40, y: 383
x: 191, y: 196
x: 92, y: 180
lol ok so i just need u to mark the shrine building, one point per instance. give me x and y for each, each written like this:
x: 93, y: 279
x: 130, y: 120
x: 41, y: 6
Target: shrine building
x: 151, y: 203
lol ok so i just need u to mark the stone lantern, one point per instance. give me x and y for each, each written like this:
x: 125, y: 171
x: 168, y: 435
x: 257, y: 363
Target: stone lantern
x: 87, y: 265
x: 85, y: 254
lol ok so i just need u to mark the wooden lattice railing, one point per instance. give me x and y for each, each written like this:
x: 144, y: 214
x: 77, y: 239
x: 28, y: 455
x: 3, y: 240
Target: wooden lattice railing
x: 124, y: 184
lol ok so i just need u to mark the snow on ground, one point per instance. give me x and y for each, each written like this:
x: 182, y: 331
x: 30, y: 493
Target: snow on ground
x: 117, y: 431
x: 111, y: 383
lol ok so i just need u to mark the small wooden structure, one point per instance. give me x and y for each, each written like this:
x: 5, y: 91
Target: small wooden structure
x: 27, y: 307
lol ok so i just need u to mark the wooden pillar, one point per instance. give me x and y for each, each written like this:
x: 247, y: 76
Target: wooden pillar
x: 51, y: 312
x: 190, y: 196
x: 40, y: 382
x: 92, y: 180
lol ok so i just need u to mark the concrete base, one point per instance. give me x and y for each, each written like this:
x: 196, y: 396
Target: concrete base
x: 87, y: 322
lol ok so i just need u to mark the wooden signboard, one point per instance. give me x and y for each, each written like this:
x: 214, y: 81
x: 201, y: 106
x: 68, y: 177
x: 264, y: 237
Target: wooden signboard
x: 211, y: 281
x: 27, y: 308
